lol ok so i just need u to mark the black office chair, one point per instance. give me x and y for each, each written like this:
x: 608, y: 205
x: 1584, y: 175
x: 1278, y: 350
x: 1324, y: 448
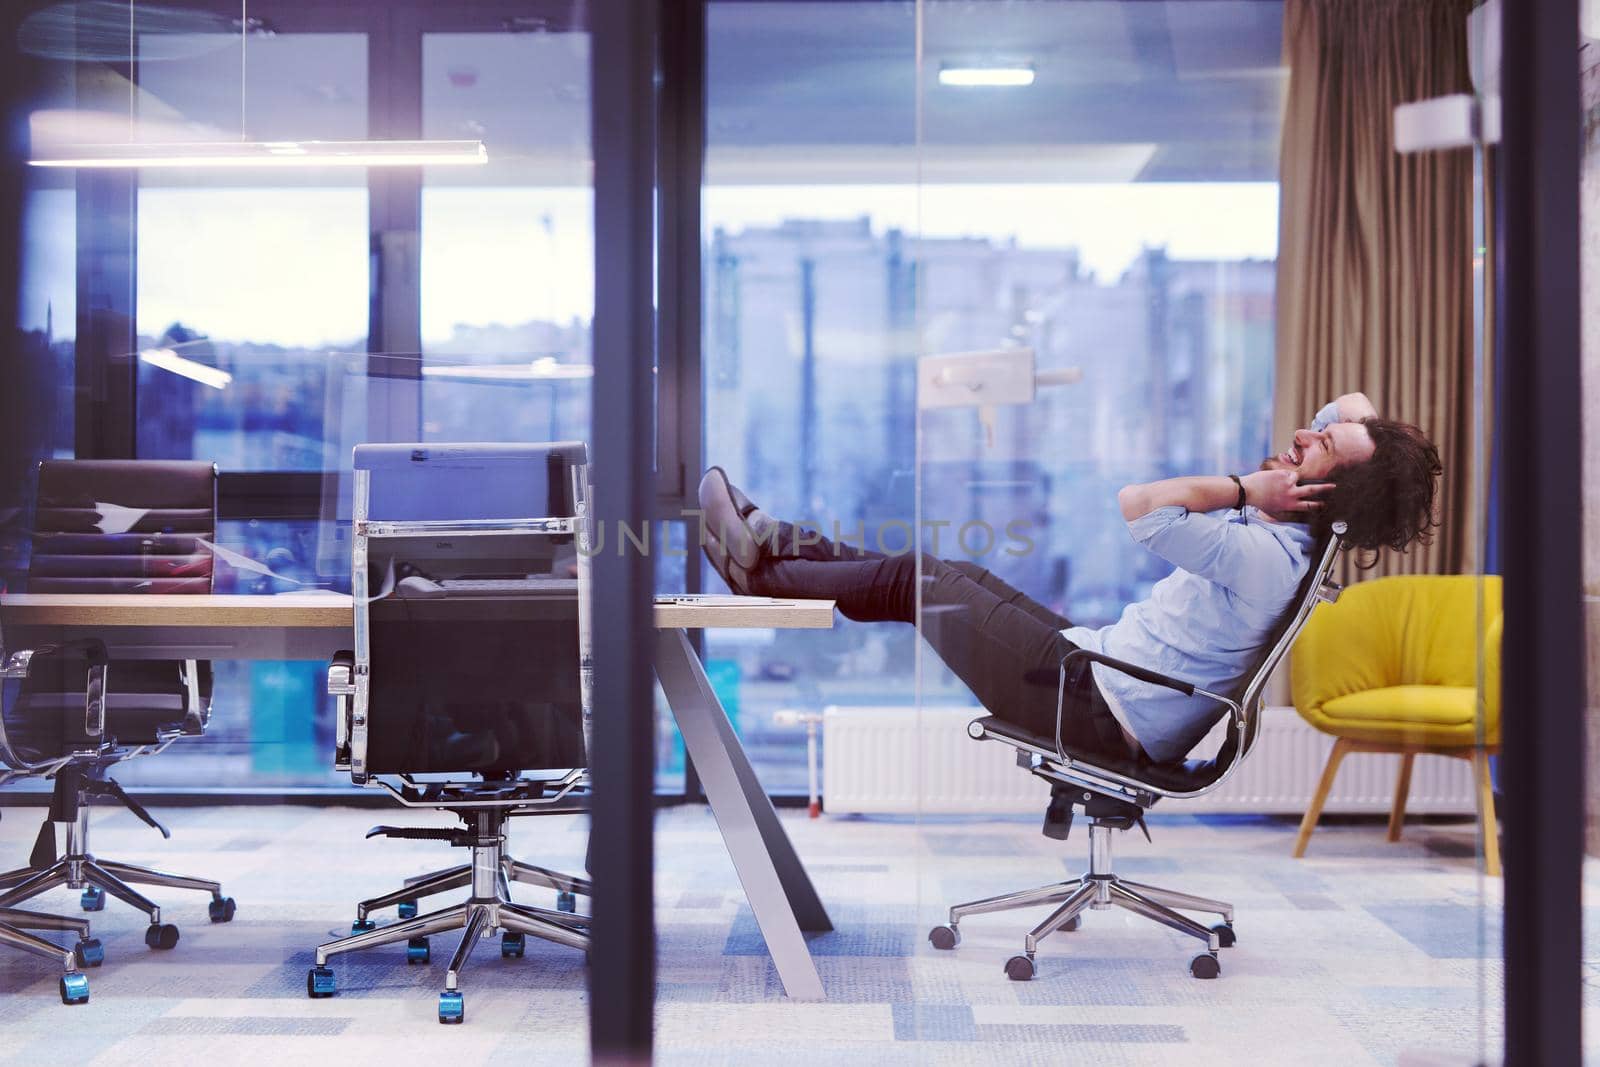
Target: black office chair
x: 16, y: 922
x: 467, y: 695
x: 1114, y: 794
x: 108, y: 526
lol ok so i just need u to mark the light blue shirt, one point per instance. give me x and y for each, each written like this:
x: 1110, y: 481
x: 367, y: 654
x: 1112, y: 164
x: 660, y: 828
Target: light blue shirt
x: 1206, y: 622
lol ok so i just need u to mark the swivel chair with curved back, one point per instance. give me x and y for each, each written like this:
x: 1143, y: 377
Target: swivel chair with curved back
x: 1114, y: 794
x: 108, y: 526
x: 16, y: 922
x: 468, y: 687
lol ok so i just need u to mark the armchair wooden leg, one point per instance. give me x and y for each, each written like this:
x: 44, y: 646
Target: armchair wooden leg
x: 1320, y: 797
x: 1487, y: 823
x: 1402, y: 787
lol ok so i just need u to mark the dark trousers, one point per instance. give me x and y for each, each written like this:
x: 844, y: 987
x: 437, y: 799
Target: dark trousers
x: 1006, y: 646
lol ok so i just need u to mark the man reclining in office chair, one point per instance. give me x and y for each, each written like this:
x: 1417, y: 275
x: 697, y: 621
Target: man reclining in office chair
x: 1240, y: 546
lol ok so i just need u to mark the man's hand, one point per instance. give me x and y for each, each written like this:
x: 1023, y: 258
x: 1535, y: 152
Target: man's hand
x: 1279, y: 492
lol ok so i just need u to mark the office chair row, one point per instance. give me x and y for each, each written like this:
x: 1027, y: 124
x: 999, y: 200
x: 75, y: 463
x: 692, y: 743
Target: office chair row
x: 438, y: 703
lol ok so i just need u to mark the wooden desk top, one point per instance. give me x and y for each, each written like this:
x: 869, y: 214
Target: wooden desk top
x: 332, y: 611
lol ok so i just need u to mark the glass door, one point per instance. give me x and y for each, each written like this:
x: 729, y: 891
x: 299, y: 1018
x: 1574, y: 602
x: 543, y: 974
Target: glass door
x: 1104, y: 254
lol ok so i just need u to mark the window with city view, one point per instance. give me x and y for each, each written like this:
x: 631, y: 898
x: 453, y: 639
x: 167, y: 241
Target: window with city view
x: 1079, y: 216
x: 1119, y: 216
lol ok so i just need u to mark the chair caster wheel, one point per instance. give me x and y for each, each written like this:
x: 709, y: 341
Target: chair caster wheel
x: 222, y: 910
x: 512, y: 946
x: 1020, y: 969
x: 452, y: 1009
x: 93, y: 899
x: 1224, y: 932
x: 89, y: 952
x: 161, y: 935
x: 320, y: 983
x: 566, y: 900
x: 417, y: 950
x: 1072, y: 923
x: 407, y: 909
x: 944, y: 937
x: 74, y: 988
x: 1205, y: 965
x: 361, y: 926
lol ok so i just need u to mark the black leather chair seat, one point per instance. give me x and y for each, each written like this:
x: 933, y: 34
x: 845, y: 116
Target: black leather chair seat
x: 1178, y: 777
x: 46, y: 725
x: 46, y: 719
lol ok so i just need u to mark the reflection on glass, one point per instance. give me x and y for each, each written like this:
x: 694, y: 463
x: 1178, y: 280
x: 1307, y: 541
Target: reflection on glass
x: 252, y: 273
x: 839, y: 240
x: 48, y: 308
x: 508, y: 249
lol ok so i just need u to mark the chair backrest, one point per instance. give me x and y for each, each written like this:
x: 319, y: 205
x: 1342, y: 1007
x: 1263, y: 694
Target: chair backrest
x: 124, y: 526
x: 1314, y: 587
x: 117, y: 526
x: 1141, y: 780
x: 450, y: 680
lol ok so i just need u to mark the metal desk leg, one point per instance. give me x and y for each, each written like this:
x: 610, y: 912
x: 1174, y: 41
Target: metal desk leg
x: 775, y: 882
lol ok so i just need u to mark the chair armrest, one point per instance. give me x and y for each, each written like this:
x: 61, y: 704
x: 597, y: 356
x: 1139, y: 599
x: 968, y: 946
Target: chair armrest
x: 17, y: 664
x: 341, y: 675
x: 1144, y: 674
x: 341, y: 686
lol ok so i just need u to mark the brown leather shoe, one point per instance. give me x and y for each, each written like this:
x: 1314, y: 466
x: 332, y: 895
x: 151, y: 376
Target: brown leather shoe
x: 723, y: 511
x: 727, y: 568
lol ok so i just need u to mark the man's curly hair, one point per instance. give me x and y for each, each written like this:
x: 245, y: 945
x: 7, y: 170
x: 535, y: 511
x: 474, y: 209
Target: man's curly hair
x: 1388, y: 501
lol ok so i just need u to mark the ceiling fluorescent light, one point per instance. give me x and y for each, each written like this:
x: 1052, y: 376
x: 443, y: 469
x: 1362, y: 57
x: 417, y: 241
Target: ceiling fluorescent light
x: 168, y: 360
x: 269, y: 154
x: 1002, y: 75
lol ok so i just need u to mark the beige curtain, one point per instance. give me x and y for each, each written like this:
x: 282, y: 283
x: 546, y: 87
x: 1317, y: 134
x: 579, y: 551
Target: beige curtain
x: 1375, y: 249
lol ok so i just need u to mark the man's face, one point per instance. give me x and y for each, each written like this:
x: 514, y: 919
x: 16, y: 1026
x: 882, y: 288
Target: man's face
x: 1315, y: 456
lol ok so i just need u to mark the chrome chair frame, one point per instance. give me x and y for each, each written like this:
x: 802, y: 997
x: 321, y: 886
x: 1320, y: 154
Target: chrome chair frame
x: 485, y: 810
x: 78, y: 868
x: 1116, y: 800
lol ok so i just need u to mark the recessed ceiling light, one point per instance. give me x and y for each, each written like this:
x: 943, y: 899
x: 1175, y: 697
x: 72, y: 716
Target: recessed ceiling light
x: 1000, y: 74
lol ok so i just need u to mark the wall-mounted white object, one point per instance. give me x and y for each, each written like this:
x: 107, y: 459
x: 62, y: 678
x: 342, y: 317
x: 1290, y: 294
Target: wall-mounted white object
x: 985, y: 380
x: 1463, y: 119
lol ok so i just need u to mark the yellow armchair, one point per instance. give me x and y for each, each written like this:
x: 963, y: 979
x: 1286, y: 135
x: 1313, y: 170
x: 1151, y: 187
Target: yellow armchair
x: 1393, y: 667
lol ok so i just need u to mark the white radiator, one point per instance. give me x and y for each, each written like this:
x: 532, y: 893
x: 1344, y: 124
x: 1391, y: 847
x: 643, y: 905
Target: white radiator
x: 899, y: 760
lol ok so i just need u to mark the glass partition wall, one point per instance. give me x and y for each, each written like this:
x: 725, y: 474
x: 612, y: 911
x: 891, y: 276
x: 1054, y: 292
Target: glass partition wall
x: 260, y: 298
x: 200, y: 288
x: 1095, y: 259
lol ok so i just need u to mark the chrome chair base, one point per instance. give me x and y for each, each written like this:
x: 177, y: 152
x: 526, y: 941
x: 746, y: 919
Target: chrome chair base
x: 568, y: 887
x: 79, y: 869
x: 488, y: 909
x: 15, y: 924
x: 1100, y: 888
